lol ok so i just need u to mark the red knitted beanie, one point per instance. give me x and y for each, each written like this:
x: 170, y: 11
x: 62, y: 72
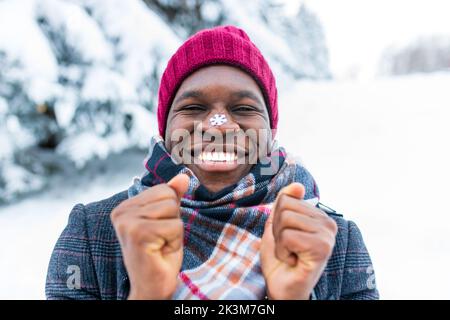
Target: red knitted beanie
x: 220, y: 45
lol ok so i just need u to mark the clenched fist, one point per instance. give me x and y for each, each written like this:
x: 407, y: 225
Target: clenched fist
x: 150, y: 233
x: 297, y: 242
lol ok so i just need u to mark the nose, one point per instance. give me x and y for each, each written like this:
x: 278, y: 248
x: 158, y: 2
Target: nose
x: 219, y: 120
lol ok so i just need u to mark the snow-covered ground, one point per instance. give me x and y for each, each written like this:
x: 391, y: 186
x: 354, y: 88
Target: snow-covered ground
x: 377, y: 150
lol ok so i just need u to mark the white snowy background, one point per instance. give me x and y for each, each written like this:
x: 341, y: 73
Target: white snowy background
x: 374, y: 140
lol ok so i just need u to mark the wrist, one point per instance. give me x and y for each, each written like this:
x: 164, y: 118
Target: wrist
x: 305, y: 295
x: 145, y: 295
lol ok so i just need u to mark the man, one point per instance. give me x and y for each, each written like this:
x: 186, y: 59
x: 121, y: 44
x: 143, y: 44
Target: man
x: 221, y: 212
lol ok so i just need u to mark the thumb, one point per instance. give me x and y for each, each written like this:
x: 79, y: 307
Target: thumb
x: 179, y: 183
x: 295, y: 190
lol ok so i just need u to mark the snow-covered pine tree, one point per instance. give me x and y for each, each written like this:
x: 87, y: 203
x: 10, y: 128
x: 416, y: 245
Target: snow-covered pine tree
x: 309, y: 45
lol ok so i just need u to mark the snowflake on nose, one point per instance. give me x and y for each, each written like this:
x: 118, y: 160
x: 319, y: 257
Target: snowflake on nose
x: 218, y: 120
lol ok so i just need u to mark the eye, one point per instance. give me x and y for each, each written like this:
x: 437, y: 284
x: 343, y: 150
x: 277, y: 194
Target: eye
x: 193, y: 108
x: 243, y: 108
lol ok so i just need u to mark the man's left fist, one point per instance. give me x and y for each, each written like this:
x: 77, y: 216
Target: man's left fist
x: 297, y: 242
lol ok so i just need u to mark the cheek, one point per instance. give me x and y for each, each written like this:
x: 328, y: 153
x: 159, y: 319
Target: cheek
x: 181, y: 122
x: 255, y: 122
x: 175, y: 124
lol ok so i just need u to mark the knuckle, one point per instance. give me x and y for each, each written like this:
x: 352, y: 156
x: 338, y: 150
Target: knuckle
x: 120, y: 228
x: 325, y: 247
x: 171, y: 202
x: 287, y: 218
x: 133, y: 231
x: 114, y: 215
x: 168, y: 191
x: 331, y: 225
x: 122, y: 208
x: 116, y: 212
x: 287, y: 238
x: 170, y: 206
x: 281, y: 216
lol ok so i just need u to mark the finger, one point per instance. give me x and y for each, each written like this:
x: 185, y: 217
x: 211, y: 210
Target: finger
x: 283, y: 252
x: 294, y: 190
x: 180, y: 183
x: 312, y: 246
x: 155, y: 235
x: 326, y: 222
x: 163, y: 209
x: 153, y: 194
x: 293, y: 220
x: 290, y: 243
x: 286, y: 202
x: 311, y: 210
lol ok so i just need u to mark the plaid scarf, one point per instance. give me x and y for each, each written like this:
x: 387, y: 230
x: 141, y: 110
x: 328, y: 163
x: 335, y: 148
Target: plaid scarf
x: 223, y: 230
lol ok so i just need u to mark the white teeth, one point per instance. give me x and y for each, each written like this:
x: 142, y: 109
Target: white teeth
x: 217, y: 156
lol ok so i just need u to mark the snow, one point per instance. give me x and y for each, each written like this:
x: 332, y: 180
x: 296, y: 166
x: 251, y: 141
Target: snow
x: 359, y: 31
x: 140, y: 34
x: 211, y: 11
x: 145, y: 124
x: 80, y: 31
x: 40, y: 90
x: 90, y: 63
x: 83, y: 147
x: 18, y: 137
x: 102, y: 85
x: 21, y: 38
x: 377, y: 150
x: 275, y: 48
x: 65, y: 108
x: 29, y: 231
x: 3, y: 107
x: 17, y: 178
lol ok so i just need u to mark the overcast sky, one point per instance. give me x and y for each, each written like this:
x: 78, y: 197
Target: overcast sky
x: 358, y: 31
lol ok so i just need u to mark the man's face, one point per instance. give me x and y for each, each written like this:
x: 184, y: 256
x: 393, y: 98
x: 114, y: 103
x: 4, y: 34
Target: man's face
x: 222, y: 152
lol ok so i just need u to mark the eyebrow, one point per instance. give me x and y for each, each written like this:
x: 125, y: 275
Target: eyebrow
x: 247, y: 94
x: 189, y: 94
x: 237, y: 95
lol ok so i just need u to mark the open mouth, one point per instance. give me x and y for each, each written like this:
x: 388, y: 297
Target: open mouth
x: 221, y: 153
x: 218, y: 158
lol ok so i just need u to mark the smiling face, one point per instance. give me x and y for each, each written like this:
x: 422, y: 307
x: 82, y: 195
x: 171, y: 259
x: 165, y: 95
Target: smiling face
x: 222, y: 93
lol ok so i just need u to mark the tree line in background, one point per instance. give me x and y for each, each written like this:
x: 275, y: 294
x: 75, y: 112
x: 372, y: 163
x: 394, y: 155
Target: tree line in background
x: 425, y: 54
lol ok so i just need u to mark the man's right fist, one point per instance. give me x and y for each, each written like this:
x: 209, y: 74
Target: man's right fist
x: 150, y: 233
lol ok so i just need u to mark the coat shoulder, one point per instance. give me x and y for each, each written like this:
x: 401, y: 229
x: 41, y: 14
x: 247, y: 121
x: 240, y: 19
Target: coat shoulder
x: 106, y: 206
x: 98, y: 222
x: 349, y: 272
